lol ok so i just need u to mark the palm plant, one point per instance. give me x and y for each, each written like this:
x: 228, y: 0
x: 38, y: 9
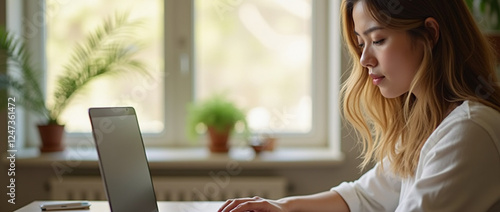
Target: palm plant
x: 108, y: 50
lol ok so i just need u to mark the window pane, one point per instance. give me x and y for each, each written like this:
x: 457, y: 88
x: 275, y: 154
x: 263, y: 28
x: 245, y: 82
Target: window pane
x: 259, y: 53
x: 68, y: 22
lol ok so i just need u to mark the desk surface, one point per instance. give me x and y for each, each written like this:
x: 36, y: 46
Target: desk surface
x: 103, y: 206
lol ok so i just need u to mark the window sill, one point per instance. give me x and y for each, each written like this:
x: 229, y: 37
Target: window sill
x: 192, y: 158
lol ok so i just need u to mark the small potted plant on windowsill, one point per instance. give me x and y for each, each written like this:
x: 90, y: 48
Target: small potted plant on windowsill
x: 109, y: 50
x: 219, y: 115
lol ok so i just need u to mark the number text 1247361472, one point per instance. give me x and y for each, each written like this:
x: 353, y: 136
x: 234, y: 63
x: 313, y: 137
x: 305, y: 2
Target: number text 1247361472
x: 11, y: 149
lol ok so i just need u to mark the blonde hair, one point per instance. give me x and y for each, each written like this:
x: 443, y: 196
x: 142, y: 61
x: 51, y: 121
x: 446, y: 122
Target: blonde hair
x: 459, y: 66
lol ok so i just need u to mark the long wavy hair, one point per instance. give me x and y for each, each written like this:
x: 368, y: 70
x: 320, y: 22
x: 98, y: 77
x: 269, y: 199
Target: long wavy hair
x: 459, y: 66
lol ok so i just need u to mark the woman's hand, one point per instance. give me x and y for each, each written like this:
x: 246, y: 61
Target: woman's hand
x: 320, y: 202
x: 255, y: 204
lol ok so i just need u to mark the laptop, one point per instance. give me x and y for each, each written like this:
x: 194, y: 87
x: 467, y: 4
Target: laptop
x: 122, y: 159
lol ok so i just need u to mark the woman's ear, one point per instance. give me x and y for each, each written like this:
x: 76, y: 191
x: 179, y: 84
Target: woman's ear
x: 433, y: 27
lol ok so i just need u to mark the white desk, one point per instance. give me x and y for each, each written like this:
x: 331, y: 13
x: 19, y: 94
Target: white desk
x: 103, y: 206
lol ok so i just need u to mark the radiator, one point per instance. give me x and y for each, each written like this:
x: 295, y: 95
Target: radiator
x: 176, y: 188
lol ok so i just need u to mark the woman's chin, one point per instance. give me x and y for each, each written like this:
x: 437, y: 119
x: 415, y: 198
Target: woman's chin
x: 390, y: 94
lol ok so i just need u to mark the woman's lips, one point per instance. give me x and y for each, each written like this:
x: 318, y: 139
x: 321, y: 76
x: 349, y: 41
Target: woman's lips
x: 376, y: 79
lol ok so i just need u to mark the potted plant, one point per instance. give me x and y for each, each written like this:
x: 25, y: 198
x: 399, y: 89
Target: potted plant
x: 219, y: 115
x: 108, y: 50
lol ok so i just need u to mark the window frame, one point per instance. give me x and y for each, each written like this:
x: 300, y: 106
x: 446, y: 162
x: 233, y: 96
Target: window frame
x: 182, y: 23
x: 179, y: 91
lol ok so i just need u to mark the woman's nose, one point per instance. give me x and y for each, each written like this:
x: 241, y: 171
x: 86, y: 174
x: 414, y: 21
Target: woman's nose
x: 367, y: 58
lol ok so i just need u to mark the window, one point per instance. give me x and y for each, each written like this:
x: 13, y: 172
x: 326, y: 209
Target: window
x: 265, y: 62
x: 270, y: 56
x: 68, y: 22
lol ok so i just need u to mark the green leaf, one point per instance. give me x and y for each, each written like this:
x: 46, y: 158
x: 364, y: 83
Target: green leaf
x: 23, y: 82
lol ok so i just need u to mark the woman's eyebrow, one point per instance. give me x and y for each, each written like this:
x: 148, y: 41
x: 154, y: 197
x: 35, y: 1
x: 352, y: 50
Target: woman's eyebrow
x: 369, y: 30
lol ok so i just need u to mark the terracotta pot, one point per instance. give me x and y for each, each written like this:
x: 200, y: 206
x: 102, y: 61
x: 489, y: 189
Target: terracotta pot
x: 265, y: 143
x: 219, y: 140
x: 51, y: 136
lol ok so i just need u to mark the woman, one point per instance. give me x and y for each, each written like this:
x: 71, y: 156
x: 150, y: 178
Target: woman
x: 424, y: 98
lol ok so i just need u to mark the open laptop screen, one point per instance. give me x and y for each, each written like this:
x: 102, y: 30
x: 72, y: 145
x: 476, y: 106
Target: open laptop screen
x: 122, y: 159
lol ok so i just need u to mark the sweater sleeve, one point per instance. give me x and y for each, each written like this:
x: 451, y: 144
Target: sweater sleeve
x: 460, y: 172
x: 374, y: 191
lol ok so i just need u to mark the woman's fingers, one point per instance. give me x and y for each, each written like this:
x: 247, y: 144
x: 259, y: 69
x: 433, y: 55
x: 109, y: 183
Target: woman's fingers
x: 255, y: 204
x: 232, y: 203
x: 259, y: 205
x: 221, y: 209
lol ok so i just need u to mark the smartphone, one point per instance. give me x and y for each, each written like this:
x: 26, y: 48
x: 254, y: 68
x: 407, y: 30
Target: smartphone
x: 65, y: 205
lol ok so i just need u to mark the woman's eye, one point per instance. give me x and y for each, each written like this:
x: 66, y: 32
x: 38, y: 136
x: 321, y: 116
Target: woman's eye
x: 379, y: 42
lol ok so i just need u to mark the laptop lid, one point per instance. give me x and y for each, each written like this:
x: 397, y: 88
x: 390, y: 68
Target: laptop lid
x: 122, y: 159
